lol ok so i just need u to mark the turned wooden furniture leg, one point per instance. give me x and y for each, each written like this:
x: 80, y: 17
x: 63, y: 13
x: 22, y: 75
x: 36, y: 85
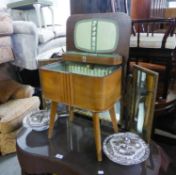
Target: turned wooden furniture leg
x: 52, y: 118
x: 71, y: 114
x: 113, y: 119
x: 97, y: 133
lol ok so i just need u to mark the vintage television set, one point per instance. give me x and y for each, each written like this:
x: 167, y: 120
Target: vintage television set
x: 92, y: 72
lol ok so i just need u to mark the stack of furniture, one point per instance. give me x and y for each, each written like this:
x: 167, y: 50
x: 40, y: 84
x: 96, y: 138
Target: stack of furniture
x: 33, y: 39
x: 12, y: 111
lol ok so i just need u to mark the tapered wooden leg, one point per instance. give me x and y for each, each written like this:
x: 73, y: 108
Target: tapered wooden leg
x: 113, y: 119
x: 97, y: 133
x: 71, y: 113
x: 52, y: 118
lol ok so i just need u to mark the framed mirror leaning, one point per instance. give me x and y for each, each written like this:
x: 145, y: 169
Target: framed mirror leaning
x: 142, y: 95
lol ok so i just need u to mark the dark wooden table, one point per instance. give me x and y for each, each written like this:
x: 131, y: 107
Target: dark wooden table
x: 75, y: 142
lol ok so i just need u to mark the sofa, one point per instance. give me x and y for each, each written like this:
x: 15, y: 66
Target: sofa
x: 16, y: 100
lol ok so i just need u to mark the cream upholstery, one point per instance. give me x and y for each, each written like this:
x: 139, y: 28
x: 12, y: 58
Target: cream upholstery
x: 11, y: 116
x: 152, y: 41
x: 12, y: 112
x: 6, y: 30
x: 16, y: 106
x: 8, y: 142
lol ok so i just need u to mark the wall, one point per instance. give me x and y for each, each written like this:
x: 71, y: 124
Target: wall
x: 96, y: 6
x: 140, y: 9
x: 170, y: 13
x: 158, y: 8
x: 144, y: 9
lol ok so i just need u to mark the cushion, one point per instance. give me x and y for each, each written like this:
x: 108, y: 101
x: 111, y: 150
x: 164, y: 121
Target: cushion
x: 11, y: 89
x: 60, y: 31
x: 8, y: 142
x: 5, y: 24
x: 152, y: 41
x: 6, y: 54
x: 5, y: 41
x: 13, y: 112
x: 49, y: 33
x: 45, y: 35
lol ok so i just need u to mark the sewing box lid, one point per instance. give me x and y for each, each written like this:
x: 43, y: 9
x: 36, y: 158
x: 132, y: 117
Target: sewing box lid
x: 98, y: 38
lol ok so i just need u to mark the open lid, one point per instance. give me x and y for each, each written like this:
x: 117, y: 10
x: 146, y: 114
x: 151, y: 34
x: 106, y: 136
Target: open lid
x: 105, y: 36
x: 106, y: 59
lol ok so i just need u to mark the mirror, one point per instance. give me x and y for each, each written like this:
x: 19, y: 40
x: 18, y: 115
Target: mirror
x: 142, y: 94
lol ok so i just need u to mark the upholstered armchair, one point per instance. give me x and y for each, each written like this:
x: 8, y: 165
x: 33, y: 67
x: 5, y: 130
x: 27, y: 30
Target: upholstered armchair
x: 14, y: 103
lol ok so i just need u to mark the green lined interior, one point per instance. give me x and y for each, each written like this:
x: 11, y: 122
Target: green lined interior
x: 82, y: 68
